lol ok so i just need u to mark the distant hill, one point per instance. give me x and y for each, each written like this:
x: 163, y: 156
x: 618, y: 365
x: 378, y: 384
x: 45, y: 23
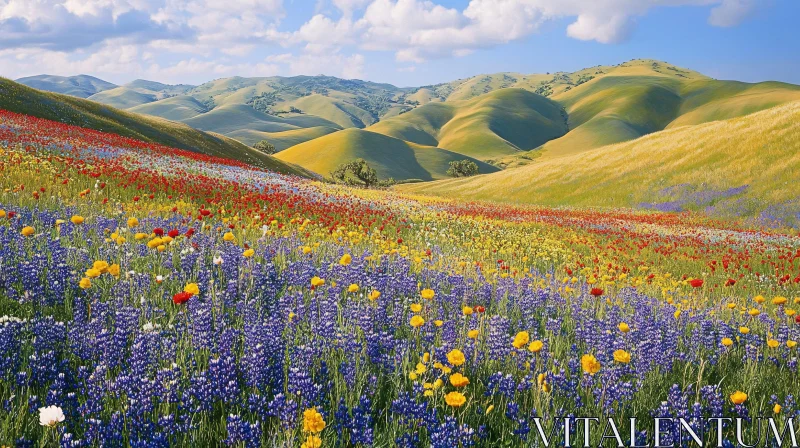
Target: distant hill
x: 177, y: 108
x: 741, y: 167
x: 282, y: 139
x: 494, y: 124
x: 122, y: 97
x: 505, y: 119
x: 389, y: 156
x: 82, y: 86
x: 140, y: 92
x: 18, y: 98
x: 640, y: 99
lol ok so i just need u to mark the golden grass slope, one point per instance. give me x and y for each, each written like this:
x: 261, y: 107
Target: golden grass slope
x: 389, y: 156
x: 742, y: 167
x: 647, y: 96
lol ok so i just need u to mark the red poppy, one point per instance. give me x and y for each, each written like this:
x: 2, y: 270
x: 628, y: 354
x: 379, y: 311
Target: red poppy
x: 189, y: 232
x: 730, y: 282
x: 181, y: 297
x: 696, y: 283
x: 480, y: 309
x: 174, y: 233
x: 158, y: 231
x: 597, y: 292
x: 797, y: 319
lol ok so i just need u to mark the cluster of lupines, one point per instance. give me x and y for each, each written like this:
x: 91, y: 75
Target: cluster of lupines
x: 172, y: 317
x: 206, y: 342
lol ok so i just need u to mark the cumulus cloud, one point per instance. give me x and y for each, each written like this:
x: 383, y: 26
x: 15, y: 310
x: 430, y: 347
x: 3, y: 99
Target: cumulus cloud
x: 67, y: 27
x: 193, y: 38
x: 417, y: 30
x: 327, y: 63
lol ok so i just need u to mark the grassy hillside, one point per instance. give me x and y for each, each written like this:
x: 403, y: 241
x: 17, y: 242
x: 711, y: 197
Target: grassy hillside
x: 336, y: 110
x: 506, y: 119
x: 283, y: 139
x: 747, y: 166
x: 141, y: 92
x: 237, y: 117
x: 177, y: 108
x: 153, y: 86
x: 122, y: 97
x: 644, y: 97
x: 82, y: 86
x: 498, y: 123
x: 18, y: 98
x: 389, y: 156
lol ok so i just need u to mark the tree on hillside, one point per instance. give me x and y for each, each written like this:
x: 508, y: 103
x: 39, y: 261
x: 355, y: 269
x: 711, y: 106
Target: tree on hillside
x: 357, y: 172
x: 462, y: 168
x: 265, y: 147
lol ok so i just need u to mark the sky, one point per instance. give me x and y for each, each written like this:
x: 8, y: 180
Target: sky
x: 402, y: 42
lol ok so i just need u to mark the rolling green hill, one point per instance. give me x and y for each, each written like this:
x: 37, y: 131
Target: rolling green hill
x: 82, y: 86
x: 177, y: 108
x: 18, y: 98
x: 122, y: 97
x: 639, y: 99
x: 740, y: 167
x: 282, y: 139
x: 389, y: 156
x: 505, y: 119
x: 236, y: 117
x: 140, y: 92
x: 495, y: 124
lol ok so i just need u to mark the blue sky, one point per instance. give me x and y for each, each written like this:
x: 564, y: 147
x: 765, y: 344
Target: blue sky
x: 403, y: 42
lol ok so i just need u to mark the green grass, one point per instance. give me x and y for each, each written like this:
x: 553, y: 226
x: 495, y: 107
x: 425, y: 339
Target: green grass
x: 238, y: 117
x: 389, y: 156
x: 67, y: 109
x: 122, y: 97
x: 283, y: 139
x: 498, y: 123
x: 338, y: 111
x: 627, y: 104
x: 700, y: 167
x: 178, y: 108
x: 508, y: 119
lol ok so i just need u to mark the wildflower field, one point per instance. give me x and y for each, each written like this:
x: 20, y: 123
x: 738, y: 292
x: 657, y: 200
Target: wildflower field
x: 152, y: 296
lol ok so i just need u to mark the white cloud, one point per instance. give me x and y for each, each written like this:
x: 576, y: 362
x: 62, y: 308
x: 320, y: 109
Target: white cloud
x: 604, y: 30
x: 417, y: 30
x: 327, y: 63
x: 190, y: 68
x: 321, y: 33
x: 195, y: 38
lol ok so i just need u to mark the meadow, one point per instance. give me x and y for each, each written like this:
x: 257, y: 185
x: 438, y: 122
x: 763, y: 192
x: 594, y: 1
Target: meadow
x: 154, y: 296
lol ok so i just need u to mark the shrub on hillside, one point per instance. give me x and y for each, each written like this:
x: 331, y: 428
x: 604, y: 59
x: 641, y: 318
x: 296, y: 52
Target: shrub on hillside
x: 462, y: 168
x: 357, y: 172
x: 265, y: 147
